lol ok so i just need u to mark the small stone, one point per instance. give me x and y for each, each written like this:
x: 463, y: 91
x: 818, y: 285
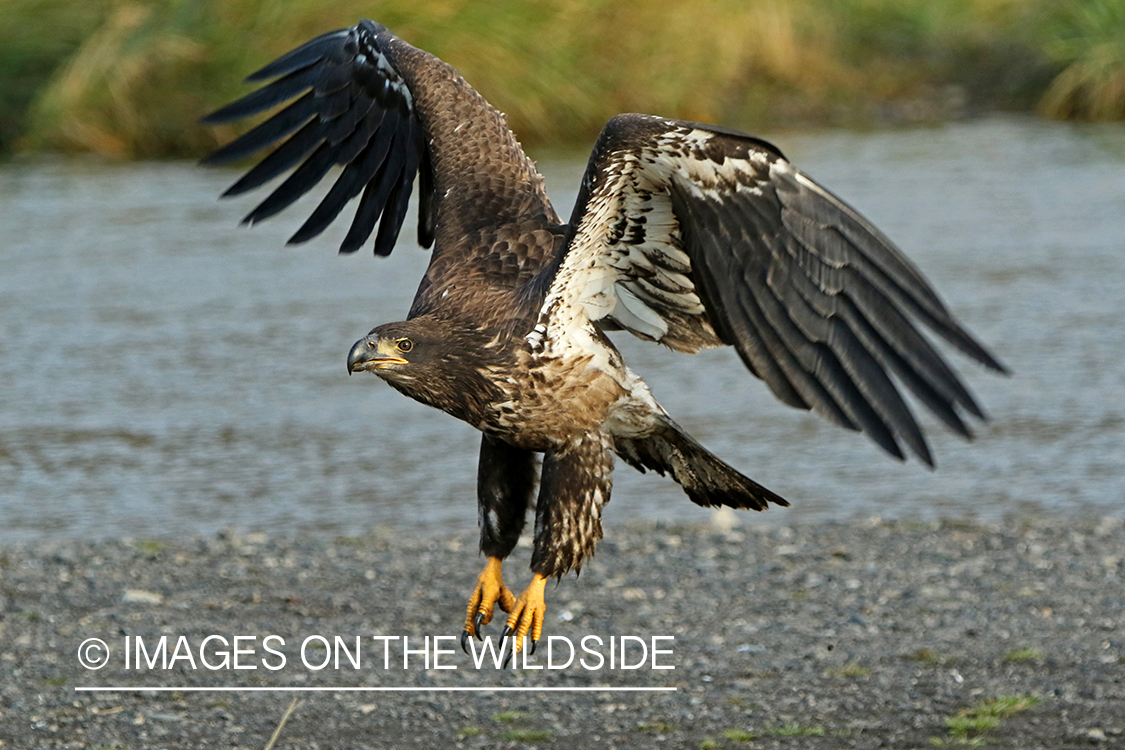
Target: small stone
x: 140, y: 596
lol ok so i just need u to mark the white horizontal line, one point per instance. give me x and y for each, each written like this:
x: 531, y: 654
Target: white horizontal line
x: 167, y: 689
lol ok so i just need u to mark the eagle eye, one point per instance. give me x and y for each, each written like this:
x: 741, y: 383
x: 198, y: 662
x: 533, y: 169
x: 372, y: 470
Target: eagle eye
x: 405, y: 345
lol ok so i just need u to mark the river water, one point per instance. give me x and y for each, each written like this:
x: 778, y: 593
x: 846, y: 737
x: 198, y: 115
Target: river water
x: 165, y: 372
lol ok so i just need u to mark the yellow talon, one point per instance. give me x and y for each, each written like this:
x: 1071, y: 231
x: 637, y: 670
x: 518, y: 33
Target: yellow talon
x: 490, y: 591
x: 528, y: 613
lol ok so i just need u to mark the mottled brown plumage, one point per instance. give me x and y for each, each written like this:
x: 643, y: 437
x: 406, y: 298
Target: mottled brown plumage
x: 691, y: 235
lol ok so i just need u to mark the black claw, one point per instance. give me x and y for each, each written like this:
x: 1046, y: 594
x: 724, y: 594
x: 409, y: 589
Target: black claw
x: 531, y: 651
x: 465, y: 641
x: 477, y: 625
x: 509, y: 645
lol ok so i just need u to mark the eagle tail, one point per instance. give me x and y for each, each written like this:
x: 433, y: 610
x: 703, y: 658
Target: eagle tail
x: 706, y: 479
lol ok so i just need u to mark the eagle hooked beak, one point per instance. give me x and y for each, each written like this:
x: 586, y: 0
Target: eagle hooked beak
x: 373, y: 353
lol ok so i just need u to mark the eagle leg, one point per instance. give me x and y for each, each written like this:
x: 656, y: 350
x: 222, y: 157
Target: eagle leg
x: 506, y: 480
x: 489, y: 591
x: 527, y: 616
x: 576, y: 482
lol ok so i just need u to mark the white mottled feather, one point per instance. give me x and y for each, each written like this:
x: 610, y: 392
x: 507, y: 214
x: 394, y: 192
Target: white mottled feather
x: 626, y: 262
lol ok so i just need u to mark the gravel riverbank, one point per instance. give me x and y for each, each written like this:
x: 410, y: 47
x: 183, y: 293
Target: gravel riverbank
x: 860, y: 634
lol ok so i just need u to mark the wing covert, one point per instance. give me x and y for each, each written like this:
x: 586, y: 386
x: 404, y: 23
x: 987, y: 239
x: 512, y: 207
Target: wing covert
x: 697, y: 236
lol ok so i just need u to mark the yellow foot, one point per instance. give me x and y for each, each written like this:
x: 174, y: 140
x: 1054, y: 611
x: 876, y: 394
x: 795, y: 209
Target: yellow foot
x: 527, y: 616
x: 490, y: 591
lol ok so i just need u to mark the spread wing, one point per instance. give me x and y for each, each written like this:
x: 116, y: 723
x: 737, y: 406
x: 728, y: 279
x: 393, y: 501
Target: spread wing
x: 384, y: 111
x: 353, y: 109
x: 697, y: 236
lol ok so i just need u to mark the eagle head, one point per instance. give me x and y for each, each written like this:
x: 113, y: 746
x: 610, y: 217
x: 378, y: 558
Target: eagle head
x: 430, y: 360
x: 396, y: 351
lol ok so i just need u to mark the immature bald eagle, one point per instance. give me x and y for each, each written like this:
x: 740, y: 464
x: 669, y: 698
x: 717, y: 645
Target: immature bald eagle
x: 690, y: 235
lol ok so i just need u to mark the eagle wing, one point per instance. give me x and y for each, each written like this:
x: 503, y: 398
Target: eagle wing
x: 697, y: 236
x: 385, y: 112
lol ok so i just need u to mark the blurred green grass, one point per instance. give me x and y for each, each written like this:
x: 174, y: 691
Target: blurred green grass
x: 129, y: 78
x: 1089, y: 39
x: 36, y: 36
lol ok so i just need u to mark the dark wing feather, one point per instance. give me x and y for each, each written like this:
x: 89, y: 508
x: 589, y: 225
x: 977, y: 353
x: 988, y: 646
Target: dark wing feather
x: 698, y: 236
x: 356, y: 111
x: 272, y: 130
x: 309, y: 53
x: 283, y: 89
x: 399, y: 199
